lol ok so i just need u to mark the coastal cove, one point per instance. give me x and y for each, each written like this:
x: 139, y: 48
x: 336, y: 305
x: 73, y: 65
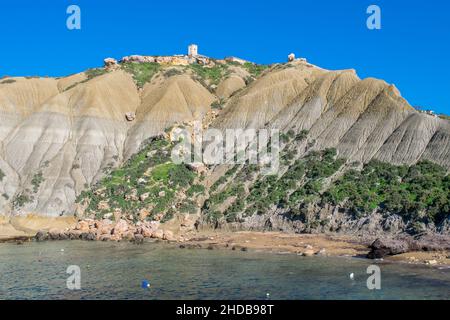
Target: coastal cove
x: 115, y: 270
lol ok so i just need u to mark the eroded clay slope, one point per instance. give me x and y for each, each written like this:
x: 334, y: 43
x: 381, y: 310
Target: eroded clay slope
x: 59, y: 136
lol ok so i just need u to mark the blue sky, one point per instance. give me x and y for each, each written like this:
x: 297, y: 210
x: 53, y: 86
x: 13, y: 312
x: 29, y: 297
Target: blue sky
x: 411, y: 50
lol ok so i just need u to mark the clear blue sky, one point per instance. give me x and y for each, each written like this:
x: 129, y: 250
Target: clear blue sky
x: 411, y: 50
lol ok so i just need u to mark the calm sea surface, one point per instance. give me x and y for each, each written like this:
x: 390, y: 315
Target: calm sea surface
x: 116, y: 270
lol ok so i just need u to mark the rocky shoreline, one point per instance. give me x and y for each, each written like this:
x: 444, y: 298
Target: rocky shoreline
x: 431, y: 249
x: 107, y: 230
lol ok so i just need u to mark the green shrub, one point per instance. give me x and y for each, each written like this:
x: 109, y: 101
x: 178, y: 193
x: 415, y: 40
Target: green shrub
x: 180, y: 176
x: 95, y: 72
x: 217, y: 105
x: 172, y: 72
x: 168, y: 216
x: 2, y: 175
x: 255, y: 69
x: 248, y: 80
x: 38, y: 178
x: 188, y: 206
x: 302, y: 135
x: 20, y: 200
x: 142, y: 72
x: 195, y: 189
x: 218, y: 183
x: 8, y: 81
x: 423, y: 187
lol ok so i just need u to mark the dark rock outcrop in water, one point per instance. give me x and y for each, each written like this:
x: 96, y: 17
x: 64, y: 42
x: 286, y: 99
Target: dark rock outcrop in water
x: 41, y: 236
x: 387, y: 247
x: 382, y: 247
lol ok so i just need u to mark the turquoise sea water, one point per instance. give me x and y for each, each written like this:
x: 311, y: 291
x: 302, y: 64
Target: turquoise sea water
x: 116, y: 270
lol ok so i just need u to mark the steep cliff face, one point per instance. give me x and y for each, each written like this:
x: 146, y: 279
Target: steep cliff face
x: 59, y: 137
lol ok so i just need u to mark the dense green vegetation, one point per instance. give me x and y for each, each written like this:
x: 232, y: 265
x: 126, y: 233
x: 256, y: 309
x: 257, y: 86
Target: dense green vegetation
x: 195, y: 189
x: 142, y: 72
x: 301, y: 182
x: 213, y: 75
x: 420, y: 192
x: 148, y: 180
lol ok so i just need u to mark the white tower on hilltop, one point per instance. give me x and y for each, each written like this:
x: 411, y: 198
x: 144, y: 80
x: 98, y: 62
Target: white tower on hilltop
x: 193, y: 50
x: 291, y: 57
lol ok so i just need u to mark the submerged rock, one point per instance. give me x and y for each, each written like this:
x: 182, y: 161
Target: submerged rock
x: 138, y: 239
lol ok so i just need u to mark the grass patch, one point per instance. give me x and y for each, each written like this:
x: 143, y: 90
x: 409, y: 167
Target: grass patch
x: 95, y: 72
x: 142, y: 72
x: 213, y: 74
x: 255, y: 69
x: 172, y: 72
x: 161, y: 172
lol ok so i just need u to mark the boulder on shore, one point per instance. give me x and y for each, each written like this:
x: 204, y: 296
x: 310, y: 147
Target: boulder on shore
x: 88, y: 236
x: 387, y: 247
x: 41, y: 235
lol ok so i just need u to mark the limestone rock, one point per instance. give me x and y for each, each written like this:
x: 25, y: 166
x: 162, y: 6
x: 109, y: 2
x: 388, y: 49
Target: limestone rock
x: 103, y: 205
x: 120, y: 228
x: 144, y: 196
x: 168, y: 235
x: 308, y: 253
x: 158, y: 234
x: 82, y: 226
x: 110, y: 63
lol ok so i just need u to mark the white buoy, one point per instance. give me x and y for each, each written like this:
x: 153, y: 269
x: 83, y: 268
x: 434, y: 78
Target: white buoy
x: 352, y: 276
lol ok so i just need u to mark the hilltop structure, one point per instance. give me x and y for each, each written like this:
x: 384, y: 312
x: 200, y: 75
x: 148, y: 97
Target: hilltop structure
x: 192, y: 50
x: 191, y: 57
